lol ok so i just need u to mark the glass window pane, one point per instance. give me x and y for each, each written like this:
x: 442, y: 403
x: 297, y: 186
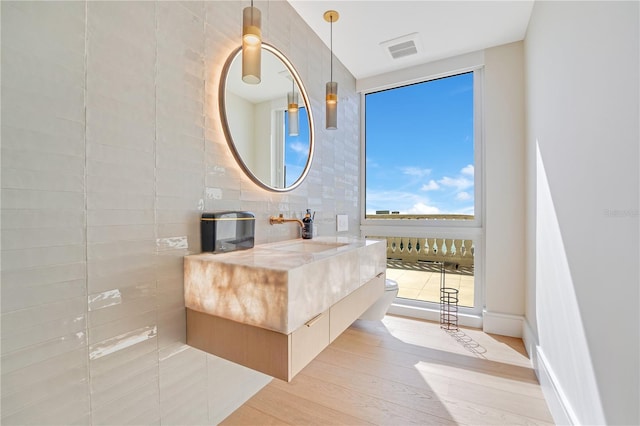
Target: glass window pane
x: 417, y: 264
x: 420, y: 150
x: 296, y: 150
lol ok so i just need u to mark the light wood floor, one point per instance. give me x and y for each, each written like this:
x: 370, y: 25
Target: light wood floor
x: 401, y: 371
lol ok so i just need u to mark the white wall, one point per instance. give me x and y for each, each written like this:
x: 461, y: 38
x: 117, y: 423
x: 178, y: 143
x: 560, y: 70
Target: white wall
x: 264, y: 146
x: 240, y: 112
x: 582, y: 66
x: 111, y: 149
x: 504, y: 189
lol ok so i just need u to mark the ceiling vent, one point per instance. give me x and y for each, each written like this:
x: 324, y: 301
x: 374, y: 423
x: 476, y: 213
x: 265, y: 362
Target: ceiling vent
x: 402, y: 46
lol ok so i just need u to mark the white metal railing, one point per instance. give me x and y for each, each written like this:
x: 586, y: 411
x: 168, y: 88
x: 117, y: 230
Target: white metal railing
x: 412, y: 249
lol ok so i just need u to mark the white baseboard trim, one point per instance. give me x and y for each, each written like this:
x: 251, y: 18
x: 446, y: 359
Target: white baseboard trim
x: 553, y: 395
x: 530, y: 340
x: 432, y: 315
x: 502, y: 324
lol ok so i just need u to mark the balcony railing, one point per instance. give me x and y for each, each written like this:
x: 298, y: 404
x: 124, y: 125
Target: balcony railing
x: 456, y: 252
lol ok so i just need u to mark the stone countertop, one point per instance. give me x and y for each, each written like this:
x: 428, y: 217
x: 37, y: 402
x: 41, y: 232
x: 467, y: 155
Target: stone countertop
x: 278, y: 286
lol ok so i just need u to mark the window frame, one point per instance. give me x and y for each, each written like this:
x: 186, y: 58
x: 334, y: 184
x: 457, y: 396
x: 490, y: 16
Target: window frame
x: 436, y: 228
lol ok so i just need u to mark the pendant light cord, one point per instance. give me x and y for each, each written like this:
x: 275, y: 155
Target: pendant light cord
x: 331, y: 42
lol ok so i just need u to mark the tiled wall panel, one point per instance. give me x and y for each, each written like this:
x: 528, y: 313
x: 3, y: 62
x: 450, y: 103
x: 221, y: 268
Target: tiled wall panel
x: 180, y: 197
x: 111, y: 149
x: 183, y: 386
x: 229, y: 386
x: 179, y: 157
x: 44, y: 343
x: 122, y: 291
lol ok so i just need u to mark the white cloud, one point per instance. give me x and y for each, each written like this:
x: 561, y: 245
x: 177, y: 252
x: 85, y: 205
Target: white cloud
x: 460, y: 183
x: 467, y: 170
x: 299, y: 147
x: 463, y: 196
x: 403, y: 202
x: 431, y: 186
x: 416, y: 171
x: 422, y: 208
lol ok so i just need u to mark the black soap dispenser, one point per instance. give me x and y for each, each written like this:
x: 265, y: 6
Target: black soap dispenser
x: 307, y: 226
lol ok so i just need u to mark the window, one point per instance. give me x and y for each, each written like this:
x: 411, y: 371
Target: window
x: 422, y: 187
x: 420, y: 150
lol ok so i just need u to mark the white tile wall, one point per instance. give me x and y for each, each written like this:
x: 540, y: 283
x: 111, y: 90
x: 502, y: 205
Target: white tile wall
x: 120, y: 104
x: 111, y: 149
x: 44, y: 331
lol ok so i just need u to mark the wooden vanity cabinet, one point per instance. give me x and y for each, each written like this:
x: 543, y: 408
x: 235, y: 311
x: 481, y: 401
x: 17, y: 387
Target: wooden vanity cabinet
x: 277, y: 354
x: 347, y: 310
x: 307, y: 342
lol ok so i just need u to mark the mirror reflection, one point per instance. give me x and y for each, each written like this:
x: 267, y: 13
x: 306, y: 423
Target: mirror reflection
x: 268, y: 125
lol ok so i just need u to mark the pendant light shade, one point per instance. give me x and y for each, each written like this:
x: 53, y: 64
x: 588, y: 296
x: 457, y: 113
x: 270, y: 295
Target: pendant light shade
x: 331, y: 16
x: 251, y: 44
x: 332, y: 105
x: 293, y: 110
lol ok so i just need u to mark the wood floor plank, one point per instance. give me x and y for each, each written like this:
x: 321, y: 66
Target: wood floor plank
x: 402, y: 371
x: 449, y: 391
x: 437, y: 339
x: 296, y: 409
x: 368, y: 360
x: 501, y: 347
x: 399, y: 352
x: 358, y: 403
x: 498, y: 399
x: 414, y: 398
x: 247, y: 416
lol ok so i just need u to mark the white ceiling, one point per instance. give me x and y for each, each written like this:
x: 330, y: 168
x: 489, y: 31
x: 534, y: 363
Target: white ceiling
x: 445, y: 28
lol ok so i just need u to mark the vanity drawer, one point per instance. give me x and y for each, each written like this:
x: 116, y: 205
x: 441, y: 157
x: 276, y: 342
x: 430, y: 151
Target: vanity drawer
x: 347, y: 310
x: 308, y: 341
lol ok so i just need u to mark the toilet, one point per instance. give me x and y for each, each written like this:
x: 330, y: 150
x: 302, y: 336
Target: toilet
x: 378, y: 310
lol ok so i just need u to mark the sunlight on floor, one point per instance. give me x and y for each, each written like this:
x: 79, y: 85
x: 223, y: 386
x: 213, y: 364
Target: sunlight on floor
x: 470, y: 342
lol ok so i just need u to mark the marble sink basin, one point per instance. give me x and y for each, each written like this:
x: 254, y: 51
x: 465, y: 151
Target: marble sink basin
x: 280, y: 286
x: 308, y: 246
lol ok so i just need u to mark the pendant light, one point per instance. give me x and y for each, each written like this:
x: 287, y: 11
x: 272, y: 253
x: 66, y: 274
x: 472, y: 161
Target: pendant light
x: 251, y: 44
x: 332, y: 16
x: 293, y: 109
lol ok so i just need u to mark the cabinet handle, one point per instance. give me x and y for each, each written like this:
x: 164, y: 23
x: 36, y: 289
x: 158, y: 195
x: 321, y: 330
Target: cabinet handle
x: 313, y: 320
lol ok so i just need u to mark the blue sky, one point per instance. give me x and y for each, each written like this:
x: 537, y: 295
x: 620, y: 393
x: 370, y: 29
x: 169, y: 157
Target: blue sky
x: 419, y: 148
x: 296, y: 147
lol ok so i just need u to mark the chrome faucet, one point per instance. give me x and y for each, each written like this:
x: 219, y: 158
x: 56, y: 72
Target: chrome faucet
x: 281, y: 219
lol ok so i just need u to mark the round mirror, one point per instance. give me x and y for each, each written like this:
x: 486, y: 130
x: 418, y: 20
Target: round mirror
x: 268, y: 125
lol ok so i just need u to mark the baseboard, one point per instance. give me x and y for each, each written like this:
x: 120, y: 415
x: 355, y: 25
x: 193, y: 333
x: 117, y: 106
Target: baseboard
x: 502, y: 324
x: 530, y: 340
x: 464, y: 320
x: 557, y: 403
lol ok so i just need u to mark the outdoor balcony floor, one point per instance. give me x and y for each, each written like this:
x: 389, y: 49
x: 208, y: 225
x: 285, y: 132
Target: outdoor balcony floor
x: 421, y: 281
